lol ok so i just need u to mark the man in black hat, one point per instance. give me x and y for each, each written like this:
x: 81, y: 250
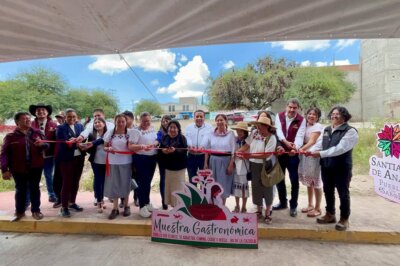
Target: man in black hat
x: 48, y: 127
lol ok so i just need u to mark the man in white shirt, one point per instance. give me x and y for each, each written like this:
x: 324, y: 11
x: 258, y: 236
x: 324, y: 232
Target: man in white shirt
x: 290, y: 129
x: 195, y: 134
x: 334, y: 147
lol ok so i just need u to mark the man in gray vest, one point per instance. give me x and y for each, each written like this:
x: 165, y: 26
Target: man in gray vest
x: 338, y: 141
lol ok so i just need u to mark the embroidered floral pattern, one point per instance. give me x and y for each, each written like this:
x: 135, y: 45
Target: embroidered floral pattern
x: 389, y: 140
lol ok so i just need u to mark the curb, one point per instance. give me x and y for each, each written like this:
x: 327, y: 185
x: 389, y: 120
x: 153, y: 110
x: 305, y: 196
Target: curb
x: 143, y: 228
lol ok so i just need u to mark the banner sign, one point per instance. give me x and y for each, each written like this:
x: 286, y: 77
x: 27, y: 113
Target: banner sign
x: 386, y: 170
x: 200, y: 218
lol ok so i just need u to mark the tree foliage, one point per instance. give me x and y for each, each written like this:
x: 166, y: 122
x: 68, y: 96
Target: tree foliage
x: 322, y: 87
x: 148, y: 106
x: 42, y: 85
x: 256, y: 86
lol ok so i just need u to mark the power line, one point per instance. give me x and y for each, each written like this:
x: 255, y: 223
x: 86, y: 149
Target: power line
x: 136, y: 75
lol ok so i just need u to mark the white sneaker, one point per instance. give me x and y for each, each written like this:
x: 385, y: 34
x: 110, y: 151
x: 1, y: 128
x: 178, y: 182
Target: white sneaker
x: 144, y: 212
x: 150, y: 207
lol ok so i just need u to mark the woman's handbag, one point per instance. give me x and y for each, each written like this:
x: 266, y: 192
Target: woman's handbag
x: 271, y: 174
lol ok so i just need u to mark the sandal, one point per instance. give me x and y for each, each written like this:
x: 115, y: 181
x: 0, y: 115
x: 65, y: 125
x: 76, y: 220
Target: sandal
x: 259, y: 214
x: 307, y: 209
x: 268, y: 219
x: 236, y: 209
x: 314, y: 213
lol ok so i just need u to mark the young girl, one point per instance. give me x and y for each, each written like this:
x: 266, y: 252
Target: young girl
x: 118, y: 183
x: 240, y: 183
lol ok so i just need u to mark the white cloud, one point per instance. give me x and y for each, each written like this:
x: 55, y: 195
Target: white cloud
x: 154, y: 82
x: 228, y: 65
x: 303, y: 45
x: 321, y: 64
x: 190, y: 81
x: 308, y: 63
x: 157, y: 61
x: 183, y: 58
x: 305, y: 63
x: 341, y: 62
x: 343, y: 43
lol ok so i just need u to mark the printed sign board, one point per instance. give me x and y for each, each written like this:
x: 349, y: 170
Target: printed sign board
x: 386, y: 170
x: 200, y: 218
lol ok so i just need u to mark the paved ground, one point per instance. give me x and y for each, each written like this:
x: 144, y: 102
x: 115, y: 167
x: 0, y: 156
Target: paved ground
x: 369, y: 213
x: 39, y: 249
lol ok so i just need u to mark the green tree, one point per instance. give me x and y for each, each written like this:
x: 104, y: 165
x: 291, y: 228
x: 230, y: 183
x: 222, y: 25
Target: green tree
x: 256, y: 86
x: 322, y: 87
x: 148, y: 106
x: 47, y: 86
x: 85, y: 101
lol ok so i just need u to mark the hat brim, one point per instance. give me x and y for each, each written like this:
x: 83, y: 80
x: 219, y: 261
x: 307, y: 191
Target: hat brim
x: 240, y: 128
x: 32, y: 109
x: 260, y: 123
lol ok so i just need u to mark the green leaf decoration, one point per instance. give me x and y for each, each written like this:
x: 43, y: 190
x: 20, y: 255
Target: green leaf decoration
x: 196, y: 199
x: 185, y: 210
x: 384, y: 145
x: 185, y: 199
x: 204, y: 201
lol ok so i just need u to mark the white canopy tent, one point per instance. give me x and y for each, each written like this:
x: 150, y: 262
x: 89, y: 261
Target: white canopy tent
x: 32, y: 29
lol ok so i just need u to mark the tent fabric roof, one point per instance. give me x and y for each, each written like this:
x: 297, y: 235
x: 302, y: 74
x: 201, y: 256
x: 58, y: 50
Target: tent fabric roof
x: 55, y: 28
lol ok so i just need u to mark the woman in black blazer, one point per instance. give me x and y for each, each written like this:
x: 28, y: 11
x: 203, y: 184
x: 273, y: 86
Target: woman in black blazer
x: 71, y: 160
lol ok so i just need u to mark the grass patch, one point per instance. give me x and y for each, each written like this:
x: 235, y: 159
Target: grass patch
x: 6, y: 185
x: 365, y: 148
x: 87, y: 181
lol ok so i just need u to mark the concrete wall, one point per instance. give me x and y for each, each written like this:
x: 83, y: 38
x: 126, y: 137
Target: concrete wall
x: 380, y: 78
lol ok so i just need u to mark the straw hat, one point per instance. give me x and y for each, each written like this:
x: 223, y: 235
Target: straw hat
x: 61, y: 114
x: 241, y: 125
x: 263, y: 121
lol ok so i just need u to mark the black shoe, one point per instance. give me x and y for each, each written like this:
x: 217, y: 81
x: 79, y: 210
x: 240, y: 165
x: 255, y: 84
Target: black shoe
x: 76, y: 207
x: 57, y: 204
x: 127, y: 211
x: 114, y: 213
x: 64, y: 212
x: 52, y: 199
x: 165, y: 207
x: 279, y: 207
x: 293, y: 212
x: 17, y: 217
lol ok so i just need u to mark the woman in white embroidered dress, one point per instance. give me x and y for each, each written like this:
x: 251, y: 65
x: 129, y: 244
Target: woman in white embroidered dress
x: 309, y: 167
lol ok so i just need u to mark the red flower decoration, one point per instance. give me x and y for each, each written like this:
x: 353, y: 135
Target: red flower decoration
x: 389, y: 140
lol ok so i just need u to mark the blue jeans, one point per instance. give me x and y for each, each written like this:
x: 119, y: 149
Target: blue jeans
x: 27, y: 182
x: 48, y: 171
x: 194, y: 163
x: 291, y: 163
x: 99, y: 171
x: 145, y: 168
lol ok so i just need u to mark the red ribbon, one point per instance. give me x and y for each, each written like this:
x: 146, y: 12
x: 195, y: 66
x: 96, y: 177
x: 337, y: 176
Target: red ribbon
x: 115, y: 152
x: 68, y: 142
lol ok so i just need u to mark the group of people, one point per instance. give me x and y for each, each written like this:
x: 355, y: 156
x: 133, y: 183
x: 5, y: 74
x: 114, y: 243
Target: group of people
x: 124, y: 158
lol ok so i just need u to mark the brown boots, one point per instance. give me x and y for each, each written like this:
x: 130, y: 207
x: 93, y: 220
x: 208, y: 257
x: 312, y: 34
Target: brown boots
x: 329, y: 218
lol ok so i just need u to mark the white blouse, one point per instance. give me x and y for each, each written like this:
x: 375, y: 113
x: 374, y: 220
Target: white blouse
x: 256, y: 142
x: 143, y: 137
x: 225, y: 143
x: 118, y: 142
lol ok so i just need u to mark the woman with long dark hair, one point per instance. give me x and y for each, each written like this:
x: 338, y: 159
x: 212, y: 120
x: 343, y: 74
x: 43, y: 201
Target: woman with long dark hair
x: 163, y: 131
x: 118, y: 182
x: 223, y: 142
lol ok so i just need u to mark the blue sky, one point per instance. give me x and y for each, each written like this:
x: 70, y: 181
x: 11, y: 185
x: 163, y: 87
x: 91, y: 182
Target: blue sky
x: 171, y: 73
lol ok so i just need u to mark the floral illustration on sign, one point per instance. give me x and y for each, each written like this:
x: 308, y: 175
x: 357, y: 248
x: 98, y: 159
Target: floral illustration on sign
x: 389, y: 140
x: 202, y: 204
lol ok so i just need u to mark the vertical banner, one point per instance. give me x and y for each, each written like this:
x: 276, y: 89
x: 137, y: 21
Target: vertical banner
x: 200, y: 218
x: 386, y: 169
